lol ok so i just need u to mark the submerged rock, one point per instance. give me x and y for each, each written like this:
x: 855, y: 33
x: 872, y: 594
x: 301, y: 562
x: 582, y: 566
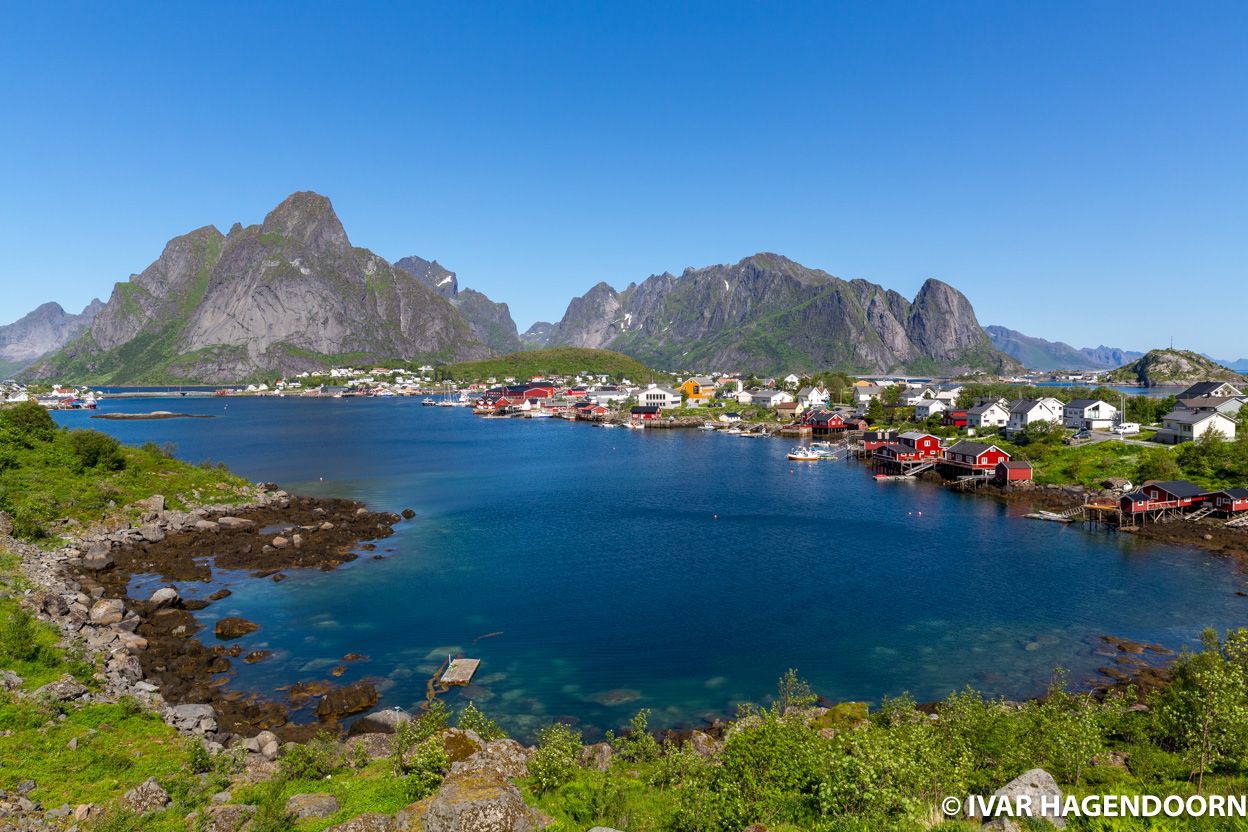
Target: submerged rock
x: 235, y: 627
x: 344, y: 701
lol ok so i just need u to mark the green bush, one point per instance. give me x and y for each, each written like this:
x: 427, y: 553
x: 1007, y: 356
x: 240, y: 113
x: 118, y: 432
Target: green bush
x: 17, y: 636
x: 312, y: 760
x: 554, y: 762
x: 96, y: 450
x: 426, y: 765
x: 638, y: 745
x: 28, y: 422
x: 471, y: 719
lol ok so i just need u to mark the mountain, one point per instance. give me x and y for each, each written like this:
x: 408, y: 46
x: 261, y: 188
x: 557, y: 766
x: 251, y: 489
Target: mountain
x: 1239, y: 365
x: 1039, y: 354
x: 1179, y: 367
x: 490, y: 321
x: 538, y: 335
x: 768, y: 314
x: 46, y: 329
x: 289, y: 294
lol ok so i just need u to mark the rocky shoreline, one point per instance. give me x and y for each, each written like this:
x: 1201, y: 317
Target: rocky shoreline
x: 148, y: 646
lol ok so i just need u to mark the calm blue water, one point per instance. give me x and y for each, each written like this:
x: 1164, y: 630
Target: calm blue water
x: 673, y: 570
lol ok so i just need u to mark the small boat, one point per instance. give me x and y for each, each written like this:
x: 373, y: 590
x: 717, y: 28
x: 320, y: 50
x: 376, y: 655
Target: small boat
x: 803, y: 455
x: 734, y: 431
x: 707, y: 426
x: 606, y: 424
x: 427, y: 402
x: 1049, y: 515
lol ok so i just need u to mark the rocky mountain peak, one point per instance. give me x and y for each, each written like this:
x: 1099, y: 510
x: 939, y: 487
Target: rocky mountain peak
x: 431, y: 273
x: 309, y: 219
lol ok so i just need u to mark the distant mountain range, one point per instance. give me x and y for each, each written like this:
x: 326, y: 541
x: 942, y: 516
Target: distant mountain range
x: 768, y: 314
x: 46, y: 329
x: 292, y: 293
x: 1039, y: 354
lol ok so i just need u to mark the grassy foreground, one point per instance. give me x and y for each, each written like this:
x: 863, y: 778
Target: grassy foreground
x: 50, y: 478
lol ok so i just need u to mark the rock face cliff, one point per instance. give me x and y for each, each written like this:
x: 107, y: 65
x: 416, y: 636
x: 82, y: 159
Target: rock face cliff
x: 768, y: 314
x: 46, y: 329
x: 287, y: 295
x: 490, y: 321
x: 1039, y: 354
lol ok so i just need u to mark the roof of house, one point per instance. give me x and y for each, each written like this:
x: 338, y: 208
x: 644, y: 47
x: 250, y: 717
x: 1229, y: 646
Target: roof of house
x: 916, y: 435
x: 980, y: 409
x: 1083, y: 404
x: 806, y: 391
x: 969, y: 448
x: 701, y: 381
x: 1237, y: 493
x: 642, y: 409
x: 896, y: 447
x: 1021, y: 464
x: 1023, y: 405
x: 1205, y: 388
x: 1191, y: 417
x: 1179, y: 488
x: 1211, y: 402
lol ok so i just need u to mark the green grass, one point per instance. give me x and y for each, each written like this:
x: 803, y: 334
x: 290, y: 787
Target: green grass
x: 371, y: 789
x: 43, y: 481
x: 561, y: 361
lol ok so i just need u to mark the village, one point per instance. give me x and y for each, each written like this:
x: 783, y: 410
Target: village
x: 903, y: 428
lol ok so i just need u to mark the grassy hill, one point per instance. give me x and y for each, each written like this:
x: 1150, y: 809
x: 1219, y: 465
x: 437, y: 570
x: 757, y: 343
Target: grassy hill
x: 1161, y: 367
x: 557, y: 361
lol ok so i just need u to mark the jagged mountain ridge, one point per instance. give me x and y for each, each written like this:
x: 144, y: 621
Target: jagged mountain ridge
x: 491, y: 321
x: 768, y: 314
x: 1039, y: 354
x: 44, y: 330
x: 289, y: 294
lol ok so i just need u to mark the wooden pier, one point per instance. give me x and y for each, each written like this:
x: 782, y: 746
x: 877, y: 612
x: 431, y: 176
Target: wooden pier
x: 460, y: 671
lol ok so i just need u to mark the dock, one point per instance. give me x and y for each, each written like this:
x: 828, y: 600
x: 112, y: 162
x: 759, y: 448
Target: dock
x: 460, y: 671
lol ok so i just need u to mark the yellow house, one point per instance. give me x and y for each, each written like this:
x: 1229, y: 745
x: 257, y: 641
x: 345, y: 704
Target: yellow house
x: 698, y: 388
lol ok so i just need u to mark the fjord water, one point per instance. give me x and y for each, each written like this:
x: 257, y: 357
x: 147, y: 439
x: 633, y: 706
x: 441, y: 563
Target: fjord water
x: 595, y: 572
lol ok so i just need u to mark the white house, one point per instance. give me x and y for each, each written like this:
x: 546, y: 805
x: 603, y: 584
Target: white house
x: 1221, y: 389
x: 812, y: 397
x: 913, y: 396
x: 1089, y: 414
x: 1026, y: 411
x: 792, y: 380
x: 948, y: 393
x: 770, y: 398
x: 930, y: 407
x: 988, y: 414
x: 1185, y: 425
x: 654, y: 396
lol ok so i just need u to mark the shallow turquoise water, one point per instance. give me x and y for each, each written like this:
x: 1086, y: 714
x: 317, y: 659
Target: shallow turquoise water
x: 674, y: 570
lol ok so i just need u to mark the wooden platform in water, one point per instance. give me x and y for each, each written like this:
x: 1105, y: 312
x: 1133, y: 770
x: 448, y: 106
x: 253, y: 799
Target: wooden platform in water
x: 460, y: 671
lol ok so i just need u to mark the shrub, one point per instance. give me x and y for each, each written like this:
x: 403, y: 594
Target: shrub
x: 312, y: 760
x: 29, y: 422
x: 17, y: 636
x: 426, y: 765
x: 554, y: 762
x: 96, y: 450
x: 638, y: 746
x: 471, y: 719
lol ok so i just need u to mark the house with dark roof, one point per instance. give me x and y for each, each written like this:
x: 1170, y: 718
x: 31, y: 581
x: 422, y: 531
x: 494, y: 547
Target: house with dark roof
x: 645, y: 412
x: 1183, y: 425
x: 1167, y: 495
x: 973, y: 457
x: 1231, y: 501
x: 1026, y: 411
x: 988, y: 413
x: 1013, y: 471
x: 1220, y: 389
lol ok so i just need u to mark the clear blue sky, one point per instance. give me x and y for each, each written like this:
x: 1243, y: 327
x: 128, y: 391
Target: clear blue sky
x: 1079, y: 170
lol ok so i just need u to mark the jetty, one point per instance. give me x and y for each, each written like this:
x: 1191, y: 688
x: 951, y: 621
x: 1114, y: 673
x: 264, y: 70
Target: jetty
x: 460, y: 671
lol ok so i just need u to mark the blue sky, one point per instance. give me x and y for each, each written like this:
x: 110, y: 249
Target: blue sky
x: 1079, y: 170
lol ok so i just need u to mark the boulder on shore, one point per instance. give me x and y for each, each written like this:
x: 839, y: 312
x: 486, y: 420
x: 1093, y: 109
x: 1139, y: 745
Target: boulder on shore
x: 146, y: 797
x: 380, y: 722
x: 318, y: 805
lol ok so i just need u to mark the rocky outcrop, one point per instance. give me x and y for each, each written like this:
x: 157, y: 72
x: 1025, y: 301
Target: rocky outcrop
x: 475, y: 801
x: 1178, y: 367
x: 768, y: 314
x: 45, y: 330
x: 318, y: 805
x: 283, y: 296
x: 1035, y: 784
